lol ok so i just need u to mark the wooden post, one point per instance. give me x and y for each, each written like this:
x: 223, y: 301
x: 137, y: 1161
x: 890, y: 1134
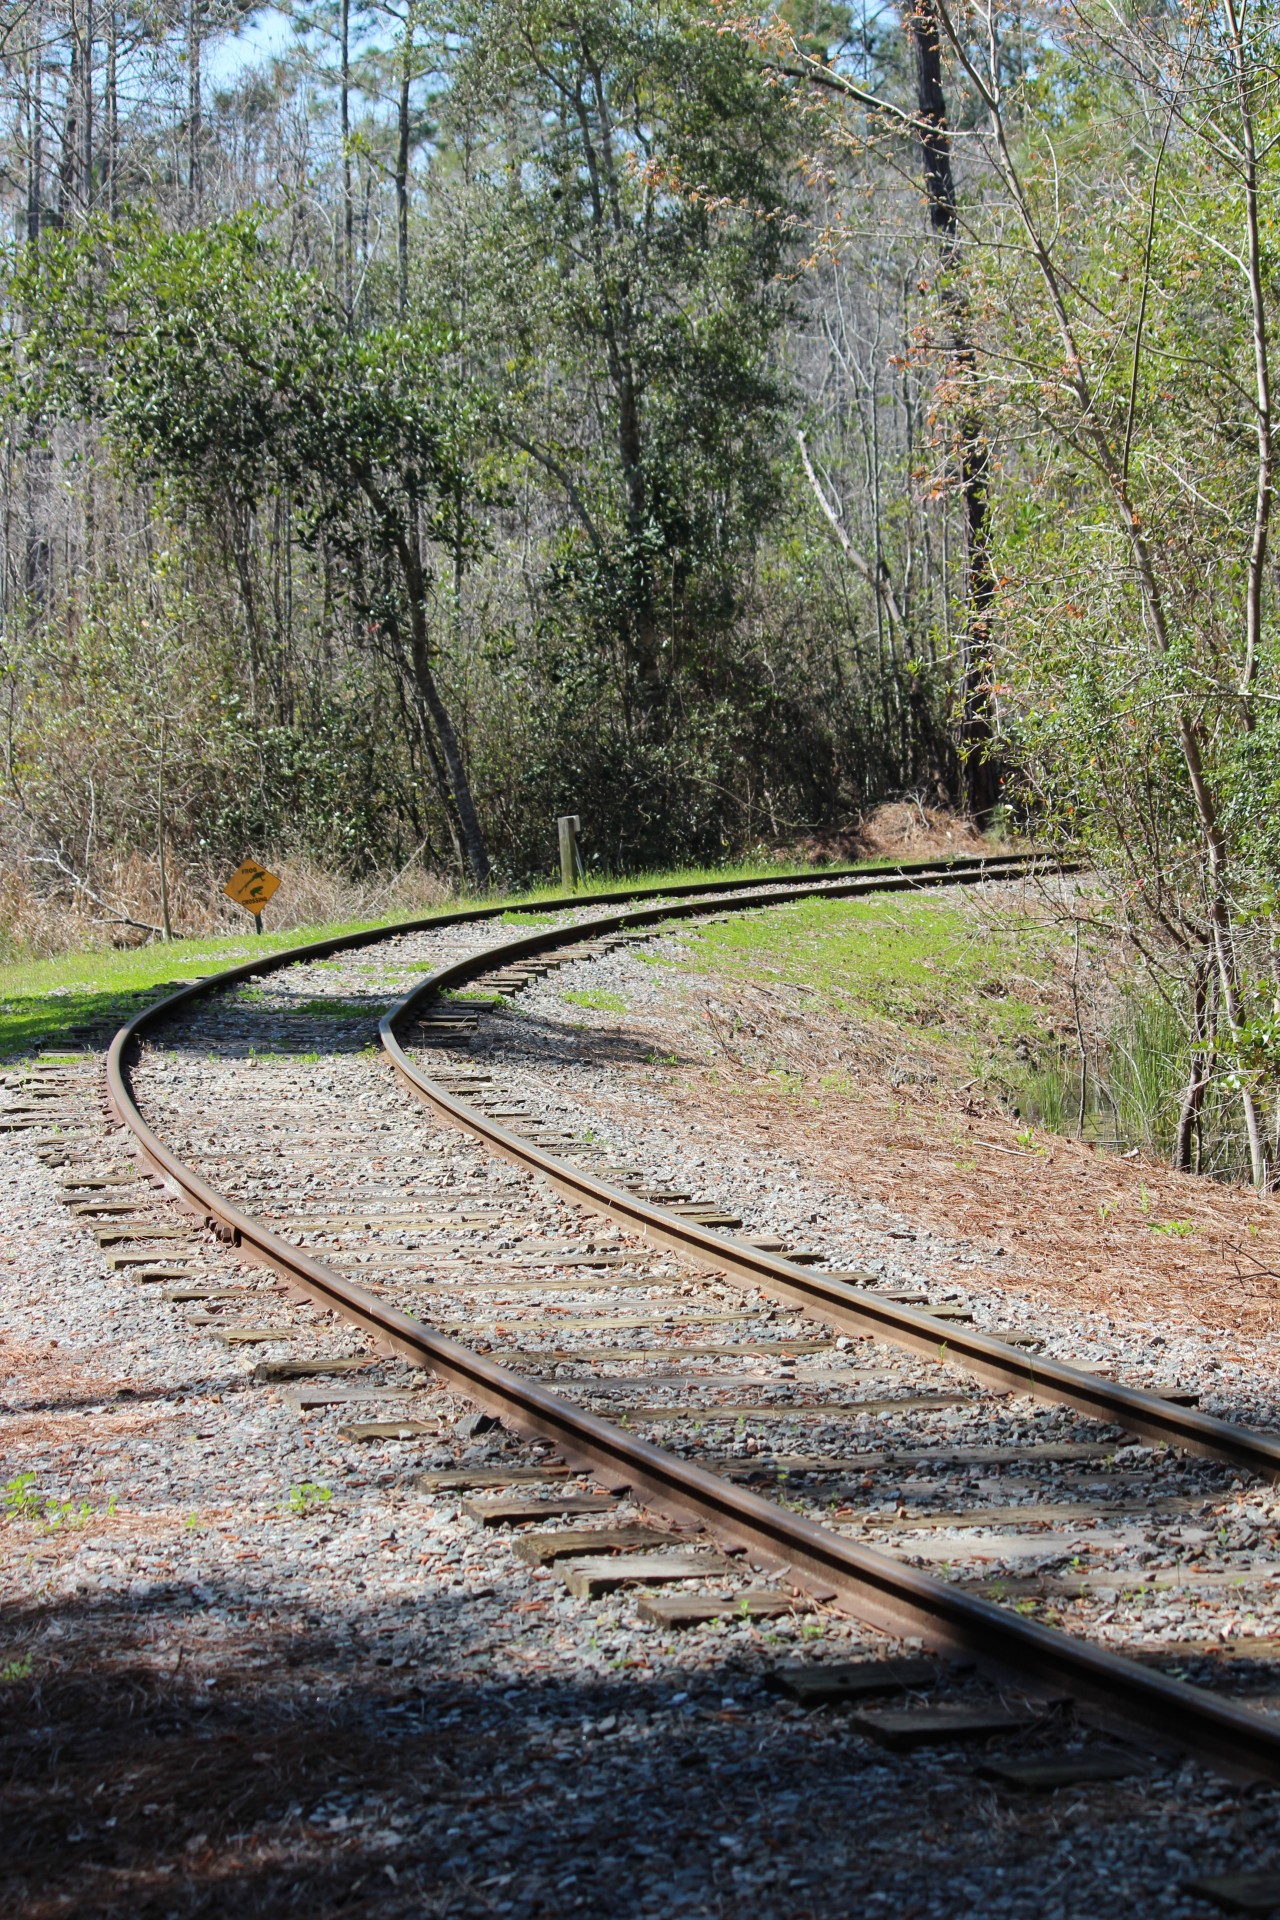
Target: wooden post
x: 568, y: 825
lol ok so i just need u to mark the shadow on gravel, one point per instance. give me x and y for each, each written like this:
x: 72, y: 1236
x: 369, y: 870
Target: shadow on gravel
x: 254, y: 1022
x: 353, y: 1028
x: 125, y: 1399
x: 173, y: 1756
x: 546, y: 1040
x: 285, y: 1768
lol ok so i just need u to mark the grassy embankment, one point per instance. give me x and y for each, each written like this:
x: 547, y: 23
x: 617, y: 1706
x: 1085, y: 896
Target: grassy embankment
x: 983, y: 999
x: 41, y: 1000
x: 960, y: 993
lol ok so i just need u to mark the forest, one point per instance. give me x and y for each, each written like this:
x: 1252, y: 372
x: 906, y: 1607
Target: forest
x: 420, y: 422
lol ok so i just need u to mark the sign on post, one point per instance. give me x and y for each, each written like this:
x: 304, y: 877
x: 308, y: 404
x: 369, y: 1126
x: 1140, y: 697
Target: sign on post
x: 251, y: 886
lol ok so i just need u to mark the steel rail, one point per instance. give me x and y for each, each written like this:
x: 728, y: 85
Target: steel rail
x: 857, y: 1309
x: 1113, y: 1691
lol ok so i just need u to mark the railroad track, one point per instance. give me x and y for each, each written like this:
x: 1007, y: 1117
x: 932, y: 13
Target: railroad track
x: 584, y: 1305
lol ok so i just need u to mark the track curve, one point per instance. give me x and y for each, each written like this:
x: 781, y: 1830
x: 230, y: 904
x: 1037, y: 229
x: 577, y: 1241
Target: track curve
x: 876, y: 1587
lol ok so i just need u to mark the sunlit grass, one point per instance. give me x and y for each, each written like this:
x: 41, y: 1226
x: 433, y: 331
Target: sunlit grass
x: 597, y: 1000
x: 42, y: 1000
x: 920, y: 964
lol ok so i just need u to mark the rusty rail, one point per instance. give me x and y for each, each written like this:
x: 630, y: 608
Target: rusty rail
x: 900, y: 1599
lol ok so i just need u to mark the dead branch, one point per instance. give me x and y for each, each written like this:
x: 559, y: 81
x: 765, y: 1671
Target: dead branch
x: 116, y: 915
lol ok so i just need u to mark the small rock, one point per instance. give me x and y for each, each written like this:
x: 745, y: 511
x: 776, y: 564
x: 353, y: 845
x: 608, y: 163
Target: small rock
x: 473, y: 1424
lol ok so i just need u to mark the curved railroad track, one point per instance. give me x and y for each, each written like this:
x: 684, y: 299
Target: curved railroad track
x: 745, y: 1526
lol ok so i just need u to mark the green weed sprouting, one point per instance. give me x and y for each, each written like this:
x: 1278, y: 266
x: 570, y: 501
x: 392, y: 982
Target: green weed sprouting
x: 15, y: 1670
x: 70, y: 1513
x: 598, y: 1000
x: 22, y: 1502
x: 308, y: 1494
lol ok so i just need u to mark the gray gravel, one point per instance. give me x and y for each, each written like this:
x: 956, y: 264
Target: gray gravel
x: 442, y: 1727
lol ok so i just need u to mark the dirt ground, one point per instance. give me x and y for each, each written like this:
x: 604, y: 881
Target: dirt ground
x: 1124, y: 1234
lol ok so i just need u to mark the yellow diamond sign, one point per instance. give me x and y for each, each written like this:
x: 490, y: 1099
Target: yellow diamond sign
x: 251, y: 886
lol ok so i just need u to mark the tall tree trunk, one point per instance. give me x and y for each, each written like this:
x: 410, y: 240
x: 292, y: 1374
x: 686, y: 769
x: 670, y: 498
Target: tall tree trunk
x: 402, y: 161
x: 474, y: 850
x: 418, y: 721
x: 348, y: 210
x: 195, y: 128
x: 980, y: 770
x: 440, y: 774
x: 111, y: 109
x: 35, y: 129
x: 1201, y: 1071
x: 69, y: 160
x: 406, y: 538
x: 618, y: 319
x: 240, y: 540
x: 165, y: 921
x: 1256, y: 578
x: 87, y: 102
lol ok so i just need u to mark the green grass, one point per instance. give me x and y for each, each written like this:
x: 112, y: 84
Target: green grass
x: 41, y: 1000
x: 1147, y: 1071
x: 933, y: 970
x: 1050, y: 1095
x: 916, y: 963
x: 598, y: 1000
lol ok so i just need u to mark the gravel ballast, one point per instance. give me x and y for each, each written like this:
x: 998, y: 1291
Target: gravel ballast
x: 252, y: 1665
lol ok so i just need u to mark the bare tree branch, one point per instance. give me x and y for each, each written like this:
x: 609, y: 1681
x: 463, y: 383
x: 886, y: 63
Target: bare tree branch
x: 877, y: 578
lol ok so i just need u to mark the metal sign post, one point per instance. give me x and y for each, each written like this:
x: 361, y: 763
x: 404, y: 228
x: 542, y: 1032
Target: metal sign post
x: 251, y: 886
x: 570, y: 859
